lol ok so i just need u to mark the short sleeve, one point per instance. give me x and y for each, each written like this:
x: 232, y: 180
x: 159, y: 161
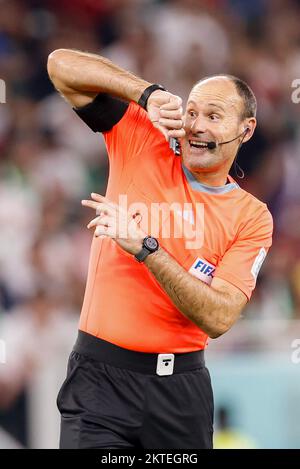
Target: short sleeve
x: 126, y: 128
x: 241, y: 263
x: 133, y: 136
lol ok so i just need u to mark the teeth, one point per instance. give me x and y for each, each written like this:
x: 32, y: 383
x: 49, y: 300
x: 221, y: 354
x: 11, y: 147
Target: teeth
x: 197, y: 144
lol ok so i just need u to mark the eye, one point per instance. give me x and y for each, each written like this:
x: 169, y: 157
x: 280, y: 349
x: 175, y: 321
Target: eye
x: 191, y: 113
x: 214, y: 117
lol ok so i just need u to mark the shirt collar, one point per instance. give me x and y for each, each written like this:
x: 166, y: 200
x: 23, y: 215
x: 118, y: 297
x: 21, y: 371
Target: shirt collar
x: 198, y: 186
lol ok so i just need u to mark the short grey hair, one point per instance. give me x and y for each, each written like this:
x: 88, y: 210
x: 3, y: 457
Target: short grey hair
x: 244, y: 91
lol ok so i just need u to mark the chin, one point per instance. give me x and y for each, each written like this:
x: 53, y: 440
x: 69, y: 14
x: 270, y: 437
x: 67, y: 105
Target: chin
x: 193, y: 163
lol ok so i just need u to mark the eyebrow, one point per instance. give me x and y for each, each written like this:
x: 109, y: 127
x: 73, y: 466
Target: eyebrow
x: 209, y: 104
x: 217, y: 105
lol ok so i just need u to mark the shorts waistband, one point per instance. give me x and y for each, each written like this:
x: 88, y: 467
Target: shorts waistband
x: 149, y: 363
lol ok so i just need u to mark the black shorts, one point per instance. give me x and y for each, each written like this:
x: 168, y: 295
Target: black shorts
x: 113, y: 398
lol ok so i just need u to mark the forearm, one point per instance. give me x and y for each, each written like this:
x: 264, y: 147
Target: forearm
x: 86, y: 72
x: 208, y: 308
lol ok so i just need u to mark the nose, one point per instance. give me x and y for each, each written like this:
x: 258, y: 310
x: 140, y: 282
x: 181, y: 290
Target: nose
x: 198, y: 126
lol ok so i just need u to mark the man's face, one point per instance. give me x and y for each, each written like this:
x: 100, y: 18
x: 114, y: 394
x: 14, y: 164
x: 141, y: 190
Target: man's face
x: 213, y: 113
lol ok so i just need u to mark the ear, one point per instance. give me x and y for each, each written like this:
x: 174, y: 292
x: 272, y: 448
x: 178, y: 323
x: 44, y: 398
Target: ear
x: 249, y: 125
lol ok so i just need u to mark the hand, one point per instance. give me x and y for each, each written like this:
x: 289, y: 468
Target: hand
x: 165, y: 112
x: 116, y: 223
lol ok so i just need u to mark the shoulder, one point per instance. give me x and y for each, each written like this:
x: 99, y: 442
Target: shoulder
x: 255, y: 216
x: 250, y: 205
x: 255, y: 204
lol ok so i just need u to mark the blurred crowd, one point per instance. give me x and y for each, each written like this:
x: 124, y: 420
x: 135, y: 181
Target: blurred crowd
x: 49, y: 159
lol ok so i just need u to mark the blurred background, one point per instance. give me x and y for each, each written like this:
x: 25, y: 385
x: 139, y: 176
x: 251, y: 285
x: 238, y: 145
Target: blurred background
x: 49, y: 161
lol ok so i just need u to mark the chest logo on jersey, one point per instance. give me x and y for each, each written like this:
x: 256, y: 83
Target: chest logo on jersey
x: 203, y: 270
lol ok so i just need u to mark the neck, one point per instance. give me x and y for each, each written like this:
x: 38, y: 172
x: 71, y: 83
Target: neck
x: 210, y: 179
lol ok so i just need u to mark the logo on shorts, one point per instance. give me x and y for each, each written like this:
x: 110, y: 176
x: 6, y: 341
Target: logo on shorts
x: 203, y: 270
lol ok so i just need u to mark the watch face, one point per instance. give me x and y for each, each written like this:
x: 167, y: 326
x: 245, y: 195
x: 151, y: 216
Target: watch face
x: 151, y: 243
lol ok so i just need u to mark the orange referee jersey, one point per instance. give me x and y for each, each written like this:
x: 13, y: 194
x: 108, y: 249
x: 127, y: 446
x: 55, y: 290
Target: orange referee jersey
x: 123, y: 302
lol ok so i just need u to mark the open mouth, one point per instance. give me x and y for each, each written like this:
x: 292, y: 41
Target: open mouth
x: 197, y: 144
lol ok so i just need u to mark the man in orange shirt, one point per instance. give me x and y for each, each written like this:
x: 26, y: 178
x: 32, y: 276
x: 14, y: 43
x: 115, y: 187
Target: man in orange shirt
x: 174, y: 258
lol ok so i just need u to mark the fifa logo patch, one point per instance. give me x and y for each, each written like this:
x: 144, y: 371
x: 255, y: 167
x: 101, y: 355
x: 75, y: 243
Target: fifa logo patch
x: 203, y: 270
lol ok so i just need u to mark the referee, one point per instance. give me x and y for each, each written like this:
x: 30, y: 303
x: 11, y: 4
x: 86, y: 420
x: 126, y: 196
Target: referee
x: 136, y: 376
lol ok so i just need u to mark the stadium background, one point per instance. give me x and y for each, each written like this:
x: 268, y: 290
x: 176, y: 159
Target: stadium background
x: 49, y: 160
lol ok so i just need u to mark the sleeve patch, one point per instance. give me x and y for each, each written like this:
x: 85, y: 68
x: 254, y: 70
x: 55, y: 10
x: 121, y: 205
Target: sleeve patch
x: 258, y: 263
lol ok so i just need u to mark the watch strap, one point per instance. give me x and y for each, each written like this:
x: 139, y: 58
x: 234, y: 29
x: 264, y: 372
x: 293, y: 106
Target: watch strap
x: 146, y: 250
x: 147, y: 92
x: 142, y: 254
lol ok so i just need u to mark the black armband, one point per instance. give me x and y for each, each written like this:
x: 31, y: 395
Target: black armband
x: 103, y: 112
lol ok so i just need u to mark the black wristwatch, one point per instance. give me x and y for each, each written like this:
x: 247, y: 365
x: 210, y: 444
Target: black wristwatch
x: 150, y: 245
x: 146, y: 93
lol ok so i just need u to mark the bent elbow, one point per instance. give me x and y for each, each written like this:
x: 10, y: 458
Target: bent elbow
x: 53, y: 61
x: 215, y: 335
x: 52, y: 66
x: 217, y: 332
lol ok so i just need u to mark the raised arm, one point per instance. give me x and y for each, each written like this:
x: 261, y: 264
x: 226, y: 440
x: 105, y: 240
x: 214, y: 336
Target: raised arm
x: 80, y: 76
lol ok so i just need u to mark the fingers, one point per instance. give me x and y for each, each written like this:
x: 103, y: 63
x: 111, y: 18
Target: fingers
x: 166, y: 113
x: 171, y: 123
x: 93, y: 222
x: 102, y: 199
x: 90, y: 203
x: 98, y: 197
x: 174, y: 103
x: 171, y: 118
x: 101, y: 220
x: 102, y: 207
x: 168, y: 133
x: 176, y: 133
x: 105, y: 226
x: 106, y: 221
x: 102, y: 231
x: 171, y: 114
x: 106, y: 213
